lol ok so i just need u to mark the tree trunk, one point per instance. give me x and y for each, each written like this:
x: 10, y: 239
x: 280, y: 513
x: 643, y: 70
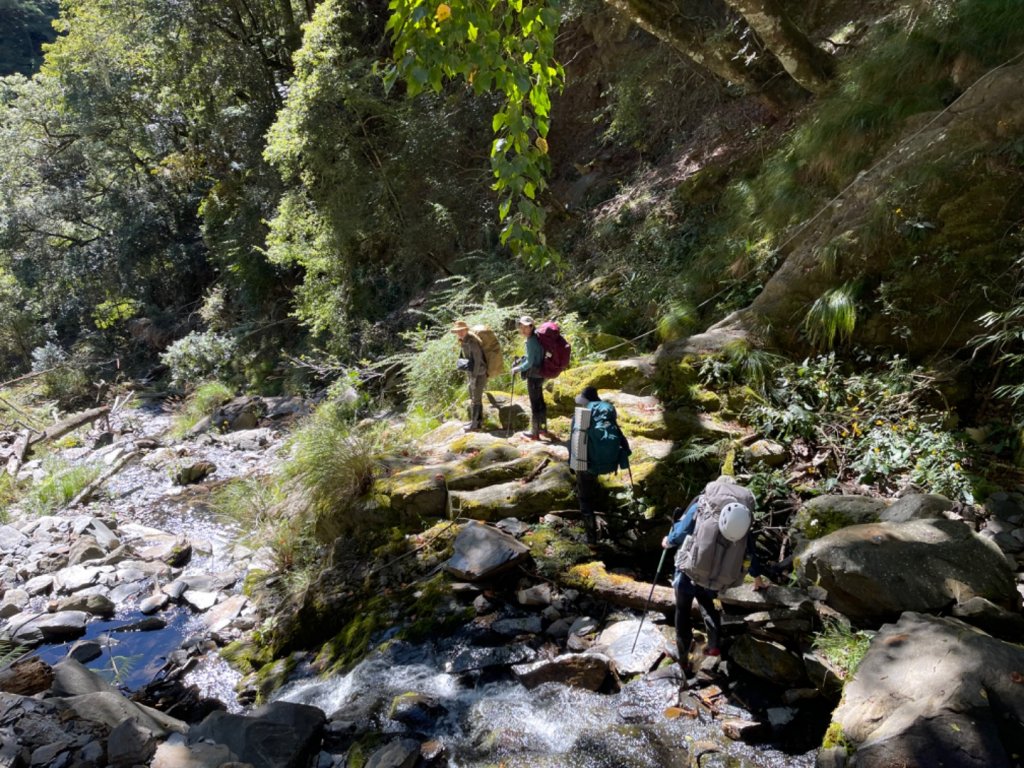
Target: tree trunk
x: 707, y: 37
x: 26, y: 677
x: 810, y: 66
x: 619, y: 590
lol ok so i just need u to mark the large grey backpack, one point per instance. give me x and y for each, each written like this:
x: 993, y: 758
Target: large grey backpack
x: 706, y: 556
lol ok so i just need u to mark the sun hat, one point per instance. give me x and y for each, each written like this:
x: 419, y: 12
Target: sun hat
x: 459, y: 325
x: 526, y: 320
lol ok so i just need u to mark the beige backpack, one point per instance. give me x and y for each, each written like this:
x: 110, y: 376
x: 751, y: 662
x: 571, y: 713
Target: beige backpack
x: 492, y: 350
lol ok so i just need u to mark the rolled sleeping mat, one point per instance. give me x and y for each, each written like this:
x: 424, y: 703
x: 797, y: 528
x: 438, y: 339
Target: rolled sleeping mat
x: 578, y: 440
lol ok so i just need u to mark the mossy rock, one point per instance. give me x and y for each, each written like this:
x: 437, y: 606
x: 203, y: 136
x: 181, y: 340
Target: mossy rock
x: 828, y: 514
x: 552, y: 489
x: 246, y: 655
x: 676, y: 376
x: 633, y: 376
x: 553, y: 552
x: 274, y: 675
x: 705, y: 400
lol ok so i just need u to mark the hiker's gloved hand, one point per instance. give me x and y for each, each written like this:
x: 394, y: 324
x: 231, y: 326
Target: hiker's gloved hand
x: 760, y: 583
x: 664, y: 542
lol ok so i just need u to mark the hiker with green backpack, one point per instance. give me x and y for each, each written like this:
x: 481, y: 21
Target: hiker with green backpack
x: 596, y: 447
x: 715, y: 545
x: 479, y: 358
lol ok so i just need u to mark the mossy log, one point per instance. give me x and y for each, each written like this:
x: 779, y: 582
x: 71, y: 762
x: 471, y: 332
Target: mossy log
x: 618, y: 589
x: 26, y: 677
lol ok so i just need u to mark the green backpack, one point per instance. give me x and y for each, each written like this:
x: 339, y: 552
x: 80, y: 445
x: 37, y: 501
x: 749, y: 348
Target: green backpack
x: 607, y: 448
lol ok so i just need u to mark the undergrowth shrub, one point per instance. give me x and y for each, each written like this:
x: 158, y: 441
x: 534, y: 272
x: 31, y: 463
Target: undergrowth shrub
x: 63, y: 378
x: 200, y: 356
x: 883, y: 426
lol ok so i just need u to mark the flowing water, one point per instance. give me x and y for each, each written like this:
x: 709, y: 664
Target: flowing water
x: 487, y: 724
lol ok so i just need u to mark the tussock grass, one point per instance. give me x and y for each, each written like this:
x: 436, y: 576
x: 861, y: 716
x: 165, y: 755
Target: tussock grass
x: 206, y: 398
x: 843, y: 647
x: 62, y: 483
x: 833, y: 316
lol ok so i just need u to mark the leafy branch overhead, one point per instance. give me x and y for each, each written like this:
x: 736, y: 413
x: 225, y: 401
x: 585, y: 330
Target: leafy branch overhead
x: 499, y: 46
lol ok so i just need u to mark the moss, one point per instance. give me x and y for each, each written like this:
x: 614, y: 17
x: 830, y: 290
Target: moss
x: 432, y: 613
x: 272, y: 676
x: 246, y: 655
x: 835, y: 736
x: 705, y: 399
x: 353, y: 642
x: 554, y: 554
x: 676, y: 378
x: 618, y: 375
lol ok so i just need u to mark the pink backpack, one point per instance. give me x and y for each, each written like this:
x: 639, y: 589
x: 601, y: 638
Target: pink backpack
x: 556, y: 350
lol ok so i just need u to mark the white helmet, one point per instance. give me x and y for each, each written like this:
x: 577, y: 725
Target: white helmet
x: 734, y: 521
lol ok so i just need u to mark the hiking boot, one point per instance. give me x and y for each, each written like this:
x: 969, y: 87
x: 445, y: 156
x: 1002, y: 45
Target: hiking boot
x: 529, y: 436
x: 712, y: 652
x: 549, y: 434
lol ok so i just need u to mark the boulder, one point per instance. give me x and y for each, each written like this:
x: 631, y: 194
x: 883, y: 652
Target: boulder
x: 13, y: 603
x: 111, y: 709
x: 826, y: 514
x: 617, y: 643
x: 473, y: 658
x: 916, y: 506
x: 767, y: 660
x: 934, y: 691
x: 129, y: 745
x: 523, y: 625
x: 400, y: 753
x: 246, y: 439
x: 875, y: 572
x: 767, y: 452
x: 418, y: 711
x: 35, y: 629
x: 480, y: 552
x: 991, y: 618
x: 96, y: 605
x: 194, y: 473
x: 579, y: 670
x: 278, y: 735
x: 553, y: 488
x: 86, y: 548
x: 178, y: 755
x: 242, y: 413
x: 72, y: 678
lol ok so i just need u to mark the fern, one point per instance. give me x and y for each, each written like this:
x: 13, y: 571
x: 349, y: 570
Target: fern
x: 833, y: 316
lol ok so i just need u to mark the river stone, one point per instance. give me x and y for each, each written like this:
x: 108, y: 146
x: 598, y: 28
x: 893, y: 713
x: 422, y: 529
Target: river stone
x: 917, y: 506
x: 97, y: 605
x: 222, y: 614
x: 578, y: 670
x: 526, y: 625
x: 418, y: 711
x: 826, y: 514
x: 242, y: 413
x: 278, y: 735
x: 47, y: 628
x: 85, y: 651
x: 199, y: 600
x: 875, y: 572
x: 616, y: 642
x: 84, y: 550
x: 745, y: 598
x: 934, y: 691
x: 76, y: 577
x: 539, y: 594
x: 400, y: 753
x: 767, y: 660
x: 154, y: 603
x: 111, y: 709
x: 72, y: 678
x: 194, y: 473
x: 129, y: 745
x: 39, y: 585
x: 14, y: 601
x: 991, y: 618
x: 767, y: 452
x: 480, y: 552
x: 246, y: 439
x: 50, y: 755
x: 11, y: 539
x: 173, y: 755
x: 104, y: 536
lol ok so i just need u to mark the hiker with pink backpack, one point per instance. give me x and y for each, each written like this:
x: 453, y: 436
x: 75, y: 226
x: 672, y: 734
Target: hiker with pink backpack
x: 547, y: 355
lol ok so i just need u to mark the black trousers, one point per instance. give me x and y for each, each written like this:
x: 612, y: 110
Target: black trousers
x: 686, y: 593
x: 586, y: 490
x: 538, y: 408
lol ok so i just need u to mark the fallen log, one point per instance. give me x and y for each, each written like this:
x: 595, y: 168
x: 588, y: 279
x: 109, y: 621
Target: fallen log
x: 70, y: 424
x: 618, y: 589
x: 86, y: 493
x: 26, y: 677
x: 18, y: 453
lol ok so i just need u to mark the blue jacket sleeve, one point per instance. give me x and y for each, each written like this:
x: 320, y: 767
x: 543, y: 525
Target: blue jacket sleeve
x: 684, y: 526
x: 534, y: 355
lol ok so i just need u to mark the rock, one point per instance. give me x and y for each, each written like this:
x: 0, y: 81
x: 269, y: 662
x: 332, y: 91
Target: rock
x: 85, y: 651
x: 176, y: 755
x: 154, y: 603
x: 111, y: 709
x: 199, y: 600
x: 934, y: 691
x: 32, y: 630
x: 539, y: 594
x: 579, y: 670
x: 222, y: 614
x: 513, y: 527
x: 247, y: 439
x: 767, y: 452
x: 767, y: 660
x: 50, y: 755
x: 826, y: 514
x: 554, y: 488
x: 278, y: 735
x: 745, y: 598
x: 991, y: 618
x: 129, y: 745
x: 13, y: 603
x: 194, y: 473
x: 96, y: 605
x: 481, y: 552
x: 39, y: 585
x: 11, y: 539
x: 148, y: 624
x: 512, y: 627
x: 584, y: 625
x: 616, y: 642
x: 242, y: 413
x: 825, y: 677
x: 418, y: 711
x: 174, y: 552
x: 72, y: 678
x: 84, y: 550
x: 103, y: 535
x: 400, y: 753
x: 865, y: 569
x: 916, y: 506
x: 76, y: 577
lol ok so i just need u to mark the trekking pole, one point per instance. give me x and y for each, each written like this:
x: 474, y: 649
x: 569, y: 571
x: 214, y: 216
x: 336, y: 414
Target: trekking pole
x: 511, y: 406
x: 661, y: 562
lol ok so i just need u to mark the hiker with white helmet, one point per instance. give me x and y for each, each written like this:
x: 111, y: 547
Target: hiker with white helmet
x: 715, y: 538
